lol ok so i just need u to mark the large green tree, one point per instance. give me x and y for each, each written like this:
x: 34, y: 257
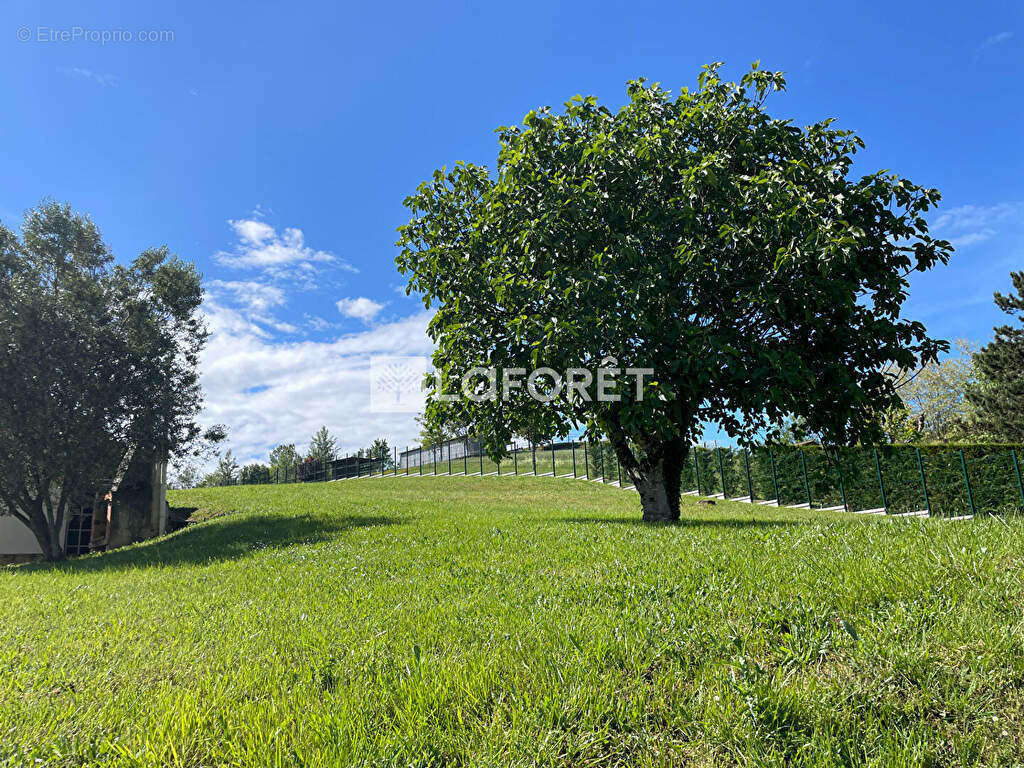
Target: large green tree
x: 999, y: 394
x: 99, y: 360
x: 732, y: 252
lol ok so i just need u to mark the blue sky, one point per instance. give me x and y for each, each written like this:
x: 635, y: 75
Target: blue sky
x: 273, y: 144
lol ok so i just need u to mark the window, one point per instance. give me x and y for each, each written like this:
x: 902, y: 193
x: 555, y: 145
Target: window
x: 79, y: 538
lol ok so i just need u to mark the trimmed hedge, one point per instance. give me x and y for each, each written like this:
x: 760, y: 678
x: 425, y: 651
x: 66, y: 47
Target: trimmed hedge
x: 893, y: 477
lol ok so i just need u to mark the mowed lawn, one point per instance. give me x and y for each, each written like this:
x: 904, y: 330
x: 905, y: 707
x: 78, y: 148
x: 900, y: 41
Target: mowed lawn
x: 517, y: 621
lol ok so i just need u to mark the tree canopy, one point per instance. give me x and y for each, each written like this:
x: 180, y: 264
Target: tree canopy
x: 323, y: 447
x: 999, y: 394
x: 732, y: 252
x: 100, y: 360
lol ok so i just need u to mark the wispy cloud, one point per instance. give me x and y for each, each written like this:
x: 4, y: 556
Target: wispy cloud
x: 360, y: 308
x: 104, y: 79
x: 282, y: 254
x: 989, y: 42
x: 969, y: 225
x: 252, y: 302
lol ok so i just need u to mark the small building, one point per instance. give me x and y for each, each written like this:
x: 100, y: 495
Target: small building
x: 133, y: 508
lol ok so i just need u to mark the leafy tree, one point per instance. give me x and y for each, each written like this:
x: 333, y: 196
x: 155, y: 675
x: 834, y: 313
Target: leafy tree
x: 730, y: 251
x: 100, y: 361
x: 186, y: 476
x: 323, y: 447
x: 999, y: 393
x: 226, y: 472
x: 254, y: 474
x: 283, y: 460
x: 937, y: 406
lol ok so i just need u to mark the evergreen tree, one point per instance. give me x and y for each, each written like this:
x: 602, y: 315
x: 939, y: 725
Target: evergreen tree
x: 323, y: 447
x: 380, y: 452
x: 999, y: 395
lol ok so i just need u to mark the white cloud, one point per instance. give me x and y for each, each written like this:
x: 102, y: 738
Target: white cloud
x: 251, y: 304
x: 255, y: 296
x: 284, y: 253
x: 968, y: 225
x: 269, y: 393
x: 104, y: 79
x: 360, y: 308
x: 996, y: 39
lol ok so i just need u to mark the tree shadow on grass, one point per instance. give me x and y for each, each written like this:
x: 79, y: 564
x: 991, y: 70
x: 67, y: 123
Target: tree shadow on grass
x: 688, y: 522
x: 228, y: 537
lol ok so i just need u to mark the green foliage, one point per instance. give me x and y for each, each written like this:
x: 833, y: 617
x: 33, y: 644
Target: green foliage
x: 728, y: 250
x: 100, y: 359
x: 382, y: 455
x: 226, y: 472
x: 283, y: 460
x: 999, y: 395
x: 254, y: 474
x: 286, y: 631
x: 937, y: 406
x: 851, y: 474
x: 323, y: 447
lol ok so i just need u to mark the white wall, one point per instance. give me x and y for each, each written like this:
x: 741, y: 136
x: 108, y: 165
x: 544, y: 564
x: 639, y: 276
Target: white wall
x: 16, y: 538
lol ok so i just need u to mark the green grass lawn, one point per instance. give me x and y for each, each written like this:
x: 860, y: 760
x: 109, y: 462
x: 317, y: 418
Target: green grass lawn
x: 517, y: 621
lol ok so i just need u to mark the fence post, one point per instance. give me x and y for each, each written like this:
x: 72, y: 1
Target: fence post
x: 967, y: 480
x: 433, y: 458
x: 449, y: 458
x: 515, y: 458
x: 924, y: 483
x: 721, y: 471
x: 586, y: 458
x: 775, y: 478
x: 553, y: 471
x: 881, y: 485
x: 807, y: 485
x: 618, y: 470
x: 842, y: 486
x: 465, y: 456
x: 1016, y: 468
x: 533, y: 454
x: 746, y: 466
x: 604, y: 471
x: 696, y: 468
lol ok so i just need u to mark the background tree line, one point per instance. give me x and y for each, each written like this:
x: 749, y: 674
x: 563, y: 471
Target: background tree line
x: 285, y: 462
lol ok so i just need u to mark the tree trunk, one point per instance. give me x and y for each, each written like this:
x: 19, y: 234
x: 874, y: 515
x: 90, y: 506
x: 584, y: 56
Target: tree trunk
x: 49, y: 540
x: 657, y: 478
x: 47, y: 534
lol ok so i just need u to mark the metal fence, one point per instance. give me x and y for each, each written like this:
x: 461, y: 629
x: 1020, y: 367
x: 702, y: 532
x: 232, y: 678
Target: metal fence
x: 904, y: 480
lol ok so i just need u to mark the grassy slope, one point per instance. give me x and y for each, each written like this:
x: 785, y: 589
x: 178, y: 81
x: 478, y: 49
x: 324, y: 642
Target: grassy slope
x: 517, y: 621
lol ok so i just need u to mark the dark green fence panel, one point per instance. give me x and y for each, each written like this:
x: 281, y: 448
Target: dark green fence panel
x: 903, y: 490
x: 688, y: 475
x: 710, y: 480
x: 761, y: 474
x: 823, y: 475
x: 993, y: 480
x: 946, y: 489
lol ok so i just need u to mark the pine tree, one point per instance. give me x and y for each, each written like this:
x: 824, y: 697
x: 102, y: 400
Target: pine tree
x: 999, y: 396
x: 323, y: 447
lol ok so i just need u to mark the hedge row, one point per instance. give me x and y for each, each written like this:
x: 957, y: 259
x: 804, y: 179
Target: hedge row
x: 945, y: 480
